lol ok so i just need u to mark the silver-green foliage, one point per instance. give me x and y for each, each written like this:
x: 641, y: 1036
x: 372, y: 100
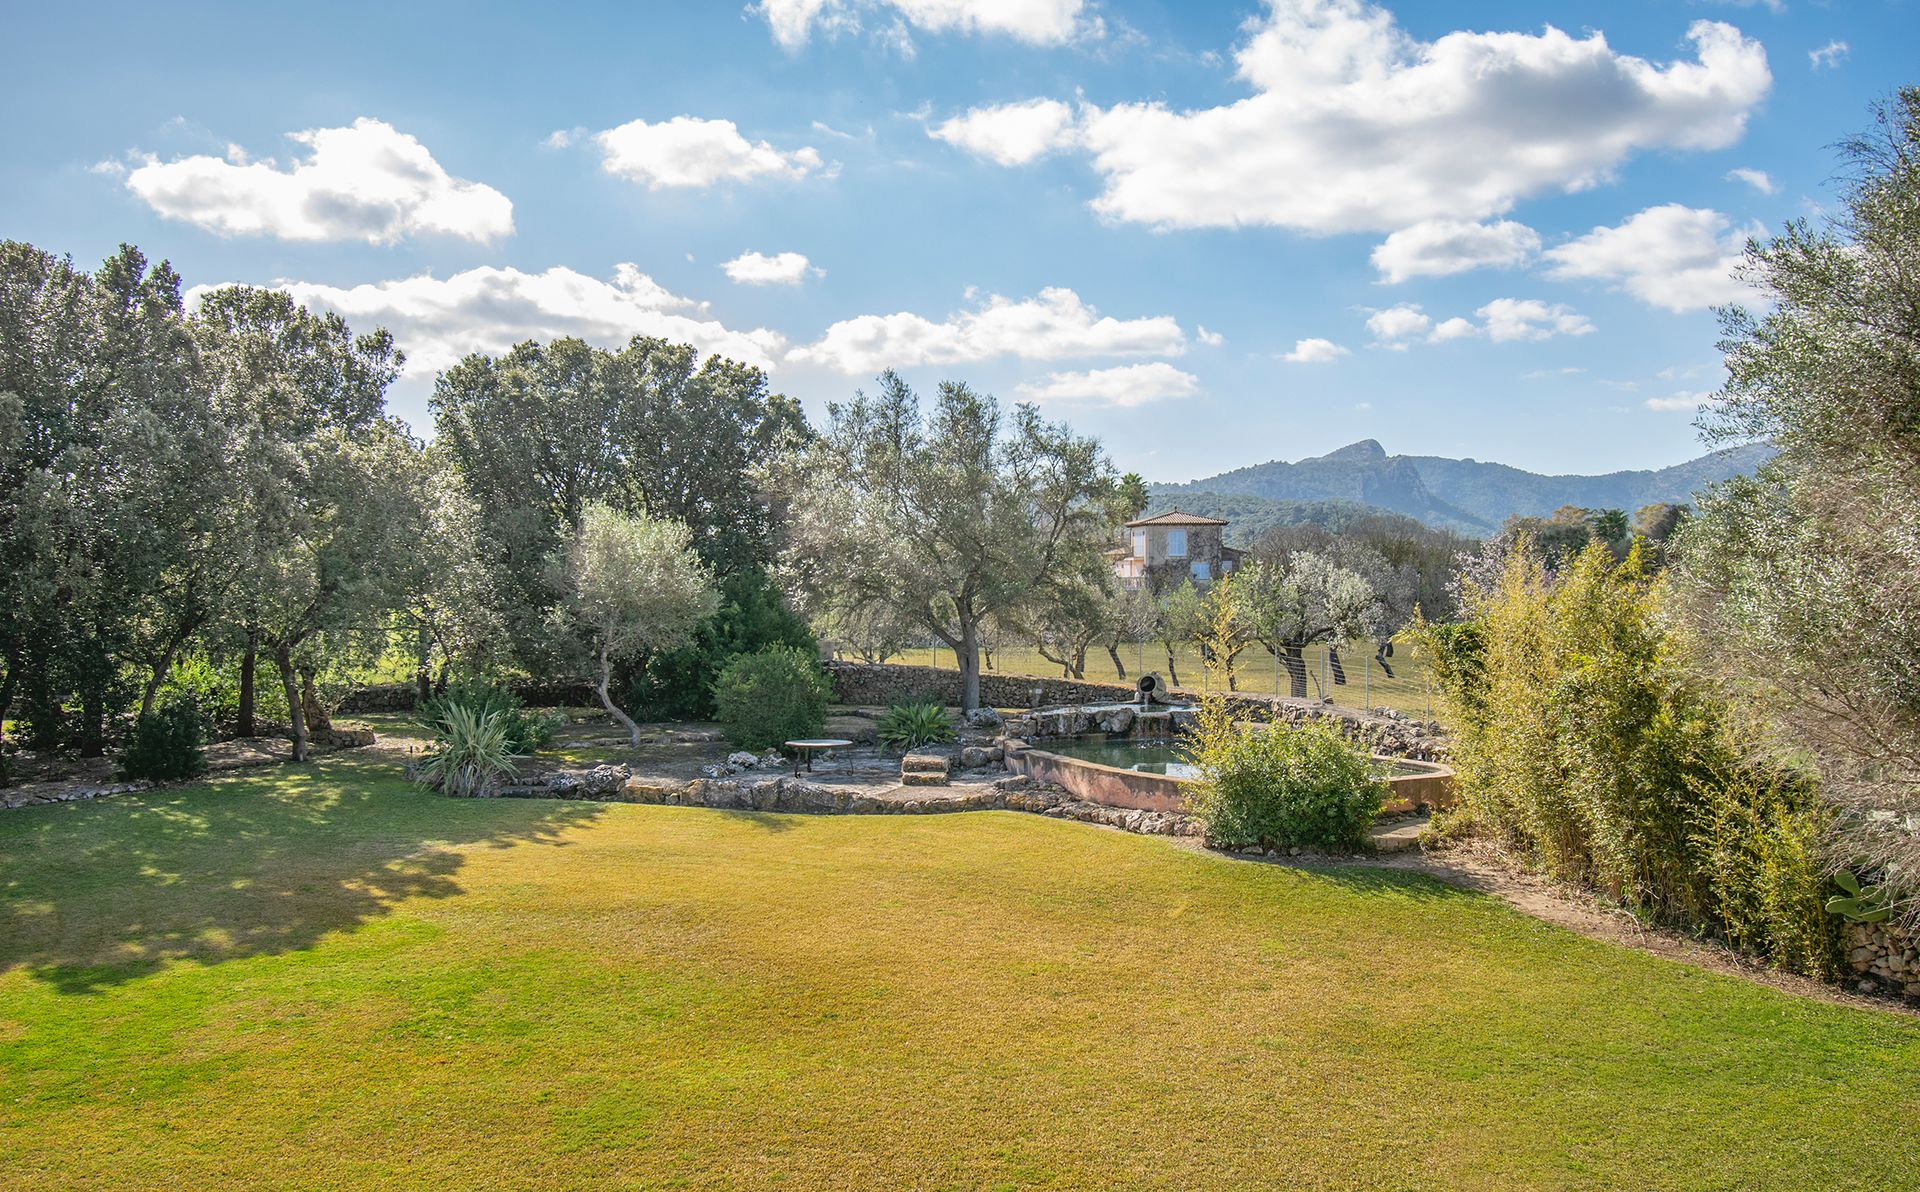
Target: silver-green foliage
x: 1803, y: 583
x: 954, y: 516
x: 473, y: 752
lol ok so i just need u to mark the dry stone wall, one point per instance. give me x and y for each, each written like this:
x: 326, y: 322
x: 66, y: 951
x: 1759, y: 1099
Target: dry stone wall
x: 892, y: 683
x: 1884, y: 955
x: 405, y: 697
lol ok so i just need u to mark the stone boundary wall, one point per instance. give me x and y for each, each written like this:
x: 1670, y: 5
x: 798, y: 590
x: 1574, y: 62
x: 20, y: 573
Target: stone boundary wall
x: 1882, y: 953
x: 405, y: 697
x: 892, y: 683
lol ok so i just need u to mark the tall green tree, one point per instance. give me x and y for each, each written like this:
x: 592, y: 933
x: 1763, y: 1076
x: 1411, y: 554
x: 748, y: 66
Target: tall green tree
x: 546, y: 429
x: 1803, y: 582
x: 108, y: 482
x: 954, y: 515
x: 324, y: 480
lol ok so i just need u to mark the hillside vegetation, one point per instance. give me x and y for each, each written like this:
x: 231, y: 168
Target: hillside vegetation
x: 1464, y: 495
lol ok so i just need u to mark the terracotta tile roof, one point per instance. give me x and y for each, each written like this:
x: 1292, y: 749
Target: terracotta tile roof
x: 1176, y: 518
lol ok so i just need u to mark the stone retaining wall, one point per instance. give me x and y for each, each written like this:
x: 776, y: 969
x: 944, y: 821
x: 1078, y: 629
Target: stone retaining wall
x: 405, y: 697
x: 616, y: 784
x: 1884, y: 954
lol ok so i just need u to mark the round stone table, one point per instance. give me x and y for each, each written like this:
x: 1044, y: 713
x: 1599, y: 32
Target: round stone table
x: 807, y: 747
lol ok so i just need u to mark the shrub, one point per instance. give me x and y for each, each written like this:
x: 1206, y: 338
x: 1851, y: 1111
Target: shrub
x: 684, y: 683
x: 526, y: 732
x: 472, y: 753
x: 1584, y: 741
x: 1281, y: 787
x: 167, y: 744
x: 772, y: 696
x: 909, y: 726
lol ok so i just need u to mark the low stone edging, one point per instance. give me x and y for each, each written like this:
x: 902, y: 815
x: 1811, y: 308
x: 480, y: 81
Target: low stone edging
x: 616, y: 784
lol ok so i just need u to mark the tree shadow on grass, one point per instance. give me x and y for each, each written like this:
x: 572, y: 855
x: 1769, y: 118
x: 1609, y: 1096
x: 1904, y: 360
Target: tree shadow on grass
x: 1375, y: 879
x: 772, y: 822
x: 93, y: 895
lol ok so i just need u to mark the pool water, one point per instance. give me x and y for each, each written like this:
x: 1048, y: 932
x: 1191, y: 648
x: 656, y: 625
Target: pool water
x: 1149, y: 757
x: 1161, y: 757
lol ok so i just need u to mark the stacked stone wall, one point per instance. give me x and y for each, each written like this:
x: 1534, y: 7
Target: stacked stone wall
x: 880, y: 684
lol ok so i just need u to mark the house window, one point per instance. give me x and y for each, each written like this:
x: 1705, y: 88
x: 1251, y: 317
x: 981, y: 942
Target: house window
x: 1226, y: 565
x: 1139, y: 544
x: 1201, y: 570
x: 1176, y: 544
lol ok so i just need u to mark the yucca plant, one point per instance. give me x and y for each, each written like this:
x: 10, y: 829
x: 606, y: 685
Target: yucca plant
x: 474, y: 751
x: 909, y: 726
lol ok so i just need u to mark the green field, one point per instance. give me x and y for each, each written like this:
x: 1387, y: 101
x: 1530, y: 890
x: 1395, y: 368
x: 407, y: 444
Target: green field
x: 1367, y: 683
x: 323, y: 978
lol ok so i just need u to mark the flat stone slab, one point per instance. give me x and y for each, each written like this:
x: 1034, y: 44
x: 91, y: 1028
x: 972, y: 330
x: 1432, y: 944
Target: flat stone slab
x: 1398, y: 836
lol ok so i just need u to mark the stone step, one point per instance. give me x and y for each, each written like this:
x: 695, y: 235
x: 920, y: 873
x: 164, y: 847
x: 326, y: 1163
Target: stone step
x: 1399, y: 835
x: 923, y: 778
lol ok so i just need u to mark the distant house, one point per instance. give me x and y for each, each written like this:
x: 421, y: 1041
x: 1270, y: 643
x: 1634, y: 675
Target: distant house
x: 1163, y: 550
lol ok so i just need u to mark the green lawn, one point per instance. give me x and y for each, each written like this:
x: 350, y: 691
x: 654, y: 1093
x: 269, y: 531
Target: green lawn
x: 330, y: 980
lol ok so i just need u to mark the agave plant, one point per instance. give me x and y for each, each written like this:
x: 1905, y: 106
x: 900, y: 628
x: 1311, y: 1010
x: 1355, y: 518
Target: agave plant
x: 475, y: 750
x: 908, y: 726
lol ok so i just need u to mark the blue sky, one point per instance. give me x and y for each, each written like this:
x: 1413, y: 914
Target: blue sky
x: 1213, y: 234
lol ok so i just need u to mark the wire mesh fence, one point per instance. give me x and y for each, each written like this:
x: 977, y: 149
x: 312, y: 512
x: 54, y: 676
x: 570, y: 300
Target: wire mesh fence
x: 1363, y: 674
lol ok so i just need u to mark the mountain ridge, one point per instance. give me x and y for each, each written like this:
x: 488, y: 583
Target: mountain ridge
x: 1465, y: 495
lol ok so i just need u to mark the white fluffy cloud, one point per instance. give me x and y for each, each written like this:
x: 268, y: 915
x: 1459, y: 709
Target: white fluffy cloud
x: 1440, y: 247
x: 1504, y: 320
x: 1123, y: 387
x: 780, y: 269
x: 687, y: 151
x: 1397, y: 324
x: 438, y: 321
x: 1760, y: 180
x: 1036, y: 22
x: 1315, y: 351
x: 1507, y: 320
x: 1053, y: 325
x: 1354, y: 125
x: 1011, y: 134
x: 1674, y: 257
x: 1684, y: 401
x: 367, y: 181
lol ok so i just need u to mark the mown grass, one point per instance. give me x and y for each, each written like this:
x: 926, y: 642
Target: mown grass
x: 326, y: 979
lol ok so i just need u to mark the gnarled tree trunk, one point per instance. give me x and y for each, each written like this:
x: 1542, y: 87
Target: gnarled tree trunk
x: 290, y: 683
x: 606, y: 699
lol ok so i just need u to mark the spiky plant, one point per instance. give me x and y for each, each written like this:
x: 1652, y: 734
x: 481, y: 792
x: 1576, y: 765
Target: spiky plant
x: 909, y: 726
x: 474, y: 751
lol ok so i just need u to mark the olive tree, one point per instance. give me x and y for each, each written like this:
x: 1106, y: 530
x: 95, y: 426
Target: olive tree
x: 1307, y: 600
x: 1802, y: 584
x: 954, y: 516
x: 638, y: 587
